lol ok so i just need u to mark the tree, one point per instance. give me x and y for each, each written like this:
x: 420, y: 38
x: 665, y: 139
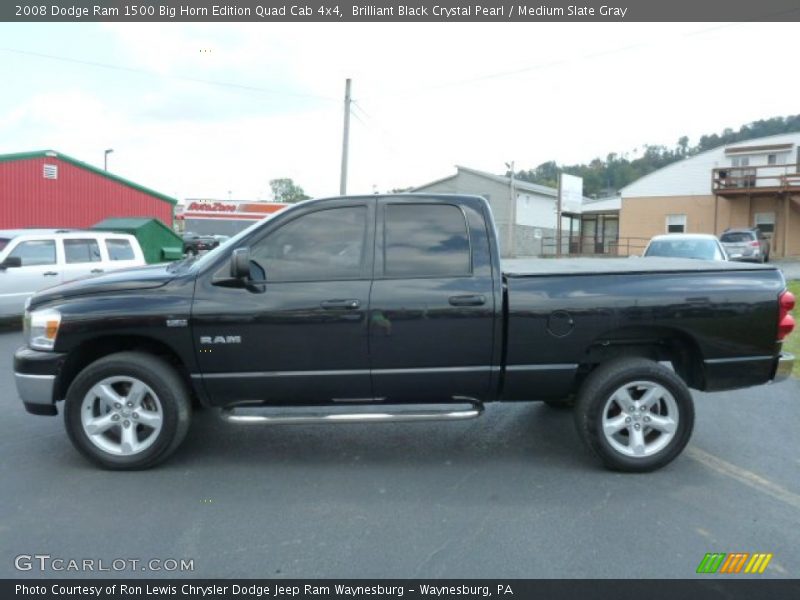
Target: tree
x: 285, y: 190
x: 605, y: 177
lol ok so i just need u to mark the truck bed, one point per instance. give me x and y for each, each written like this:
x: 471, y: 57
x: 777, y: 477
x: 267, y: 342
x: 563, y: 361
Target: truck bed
x: 522, y: 267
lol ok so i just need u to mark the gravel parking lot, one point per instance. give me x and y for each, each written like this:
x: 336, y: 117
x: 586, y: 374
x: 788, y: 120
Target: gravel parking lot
x: 512, y: 494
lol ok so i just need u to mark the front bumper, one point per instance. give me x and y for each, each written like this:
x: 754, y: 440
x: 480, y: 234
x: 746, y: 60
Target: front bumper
x: 784, y: 368
x: 36, y: 376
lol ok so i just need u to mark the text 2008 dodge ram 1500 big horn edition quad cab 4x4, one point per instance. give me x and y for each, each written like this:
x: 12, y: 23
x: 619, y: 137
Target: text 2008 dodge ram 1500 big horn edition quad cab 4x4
x: 397, y: 304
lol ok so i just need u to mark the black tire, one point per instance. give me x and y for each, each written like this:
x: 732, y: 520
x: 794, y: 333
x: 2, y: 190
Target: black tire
x: 595, y: 403
x: 172, y: 398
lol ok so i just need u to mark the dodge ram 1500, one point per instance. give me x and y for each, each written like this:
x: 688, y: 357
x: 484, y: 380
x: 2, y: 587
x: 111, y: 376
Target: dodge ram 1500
x: 396, y: 304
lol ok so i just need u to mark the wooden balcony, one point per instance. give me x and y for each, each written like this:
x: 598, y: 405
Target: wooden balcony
x: 764, y: 179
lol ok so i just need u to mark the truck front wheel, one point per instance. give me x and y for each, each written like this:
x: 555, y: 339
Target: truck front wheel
x: 126, y: 411
x: 634, y: 414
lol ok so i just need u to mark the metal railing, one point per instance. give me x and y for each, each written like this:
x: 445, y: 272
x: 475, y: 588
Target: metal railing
x: 576, y: 245
x: 733, y: 179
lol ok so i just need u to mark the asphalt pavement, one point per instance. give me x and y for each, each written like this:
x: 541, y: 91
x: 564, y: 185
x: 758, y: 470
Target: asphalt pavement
x: 510, y: 495
x: 790, y: 267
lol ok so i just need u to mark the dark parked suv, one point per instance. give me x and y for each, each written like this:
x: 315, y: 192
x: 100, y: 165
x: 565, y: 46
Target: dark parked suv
x: 746, y: 244
x: 195, y: 243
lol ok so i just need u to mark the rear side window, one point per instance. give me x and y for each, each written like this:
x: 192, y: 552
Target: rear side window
x: 119, y: 250
x: 36, y: 252
x: 81, y: 251
x: 3, y: 243
x: 425, y: 240
x: 737, y: 237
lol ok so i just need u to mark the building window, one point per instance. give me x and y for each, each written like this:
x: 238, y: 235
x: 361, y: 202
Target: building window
x: 765, y: 222
x: 772, y: 159
x: 676, y: 223
x: 741, y: 161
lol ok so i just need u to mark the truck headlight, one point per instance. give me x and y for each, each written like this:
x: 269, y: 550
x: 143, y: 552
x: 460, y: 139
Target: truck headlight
x: 41, y: 328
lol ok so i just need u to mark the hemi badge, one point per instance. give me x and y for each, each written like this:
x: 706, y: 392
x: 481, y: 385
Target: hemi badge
x: 177, y: 322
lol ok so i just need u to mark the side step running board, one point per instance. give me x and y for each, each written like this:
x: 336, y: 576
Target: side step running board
x: 238, y: 415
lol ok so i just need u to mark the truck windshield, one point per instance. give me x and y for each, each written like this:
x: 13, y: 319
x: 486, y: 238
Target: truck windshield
x: 210, y: 256
x: 3, y: 243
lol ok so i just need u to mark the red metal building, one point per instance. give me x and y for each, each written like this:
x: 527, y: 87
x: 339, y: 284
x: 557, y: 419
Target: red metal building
x: 50, y: 189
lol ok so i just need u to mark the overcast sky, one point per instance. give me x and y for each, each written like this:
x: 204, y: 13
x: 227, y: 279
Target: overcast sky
x: 211, y: 109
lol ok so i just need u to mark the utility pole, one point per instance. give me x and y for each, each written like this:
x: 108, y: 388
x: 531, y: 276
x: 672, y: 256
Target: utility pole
x: 512, y: 212
x: 558, y: 218
x: 345, y: 138
x: 105, y: 158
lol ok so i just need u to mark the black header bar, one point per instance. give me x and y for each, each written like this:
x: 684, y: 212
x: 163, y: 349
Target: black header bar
x: 711, y: 587
x: 343, y: 11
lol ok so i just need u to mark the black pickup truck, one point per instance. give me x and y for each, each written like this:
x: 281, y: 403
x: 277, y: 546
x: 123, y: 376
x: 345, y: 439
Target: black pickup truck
x: 388, y: 308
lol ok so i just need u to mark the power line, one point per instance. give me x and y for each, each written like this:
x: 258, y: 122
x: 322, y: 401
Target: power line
x: 563, y: 61
x: 140, y: 71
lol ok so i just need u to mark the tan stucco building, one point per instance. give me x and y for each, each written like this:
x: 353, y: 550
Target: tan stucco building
x: 749, y: 184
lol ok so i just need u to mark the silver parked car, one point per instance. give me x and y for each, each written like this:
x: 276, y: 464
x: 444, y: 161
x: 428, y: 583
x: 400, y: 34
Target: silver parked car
x: 701, y: 246
x: 746, y: 244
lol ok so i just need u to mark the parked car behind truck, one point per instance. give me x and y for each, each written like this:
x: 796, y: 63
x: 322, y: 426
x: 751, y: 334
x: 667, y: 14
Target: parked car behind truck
x: 33, y: 259
x: 746, y: 244
x: 389, y: 303
x: 698, y: 246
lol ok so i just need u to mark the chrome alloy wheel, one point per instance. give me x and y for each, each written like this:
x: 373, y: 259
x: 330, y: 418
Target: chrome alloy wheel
x: 121, y: 415
x: 640, y: 419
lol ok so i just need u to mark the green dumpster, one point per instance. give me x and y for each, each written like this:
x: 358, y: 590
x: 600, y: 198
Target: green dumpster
x: 159, y: 243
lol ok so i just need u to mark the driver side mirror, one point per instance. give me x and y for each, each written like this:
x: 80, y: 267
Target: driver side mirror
x: 11, y: 262
x: 240, y: 263
x: 241, y: 273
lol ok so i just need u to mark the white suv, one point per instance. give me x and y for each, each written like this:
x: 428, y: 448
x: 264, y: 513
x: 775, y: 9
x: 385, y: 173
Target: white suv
x: 33, y: 259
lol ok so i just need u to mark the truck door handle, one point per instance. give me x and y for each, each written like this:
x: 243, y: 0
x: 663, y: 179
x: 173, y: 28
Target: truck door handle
x: 50, y: 274
x: 350, y: 304
x: 96, y: 271
x: 468, y: 300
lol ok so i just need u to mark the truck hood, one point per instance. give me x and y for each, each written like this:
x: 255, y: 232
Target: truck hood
x: 134, y: 278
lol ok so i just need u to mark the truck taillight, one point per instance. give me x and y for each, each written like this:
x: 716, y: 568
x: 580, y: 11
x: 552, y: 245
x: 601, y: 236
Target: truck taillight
x: 755, y: 244
x: 785, y: 320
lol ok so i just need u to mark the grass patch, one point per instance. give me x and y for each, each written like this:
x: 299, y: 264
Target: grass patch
x: 792, y: 343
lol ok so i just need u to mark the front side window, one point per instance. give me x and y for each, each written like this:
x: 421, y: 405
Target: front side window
x: 36, y: 252
x: 321, y: 246
x: 119, y: 250
x: 81, y: 251
x: 425, y: 240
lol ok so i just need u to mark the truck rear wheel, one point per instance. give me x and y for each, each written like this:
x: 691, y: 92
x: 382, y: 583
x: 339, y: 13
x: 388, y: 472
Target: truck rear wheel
x: 126, y: 411
x: 634, y: 414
